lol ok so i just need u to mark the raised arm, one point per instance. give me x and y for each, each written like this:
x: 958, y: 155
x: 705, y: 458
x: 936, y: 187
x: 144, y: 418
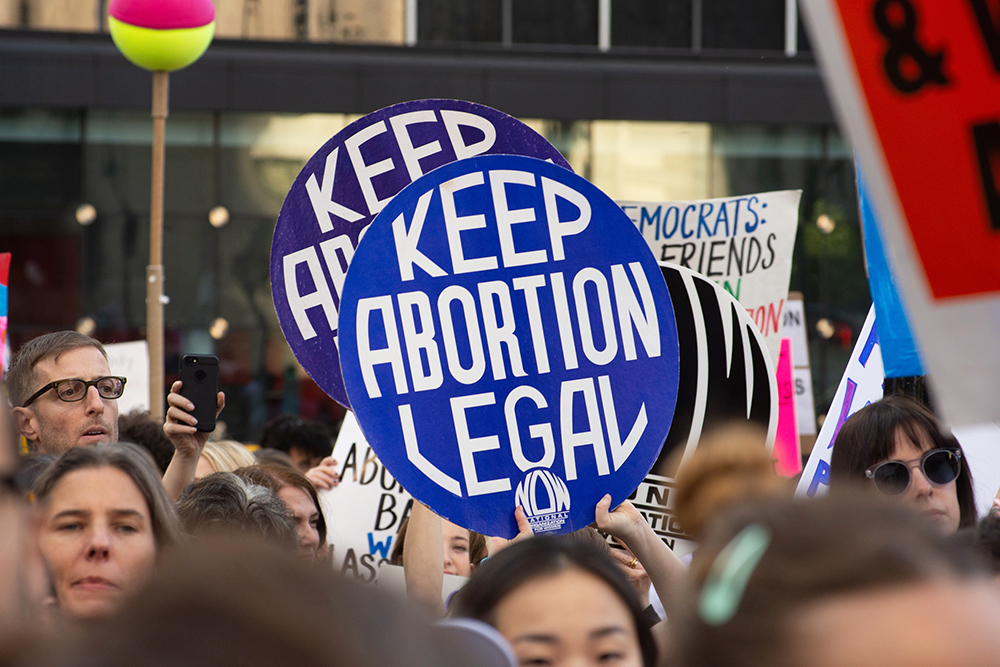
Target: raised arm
x: 423, y: 559
x: 665, y: 569
x: 188, y: 441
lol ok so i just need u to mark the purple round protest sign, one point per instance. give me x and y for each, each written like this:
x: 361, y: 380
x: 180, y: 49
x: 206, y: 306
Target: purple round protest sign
x: 343, y: 187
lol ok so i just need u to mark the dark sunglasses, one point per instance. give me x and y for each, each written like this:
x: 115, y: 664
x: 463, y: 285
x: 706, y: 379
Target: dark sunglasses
x: 74, y: 389
x: 939, y: 466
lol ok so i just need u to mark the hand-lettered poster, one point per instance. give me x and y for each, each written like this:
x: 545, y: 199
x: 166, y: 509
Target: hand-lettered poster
x: 726, y: 376
x: 342, y: 188
x: 743, y: 244
x: 861, y: 385
x: 509, y: 341
x: 364, y: 511
x: 916, y: 84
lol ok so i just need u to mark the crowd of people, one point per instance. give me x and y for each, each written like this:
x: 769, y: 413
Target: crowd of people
x: 130, y: 542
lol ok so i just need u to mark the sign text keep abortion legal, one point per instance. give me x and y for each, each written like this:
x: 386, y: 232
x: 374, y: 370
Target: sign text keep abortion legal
x: 506, y: 317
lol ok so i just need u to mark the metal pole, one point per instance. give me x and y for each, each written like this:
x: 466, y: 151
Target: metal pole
x: 154, y: 272
x: 791, y: 28
x: 604, y: 25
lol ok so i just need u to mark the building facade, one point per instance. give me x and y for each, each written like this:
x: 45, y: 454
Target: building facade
x: 649, y: 99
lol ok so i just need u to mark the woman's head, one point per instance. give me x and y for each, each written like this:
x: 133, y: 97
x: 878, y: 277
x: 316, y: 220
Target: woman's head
x: 228, y: 504
x: 559, y: 601
x: 772, y: 580
x: 463, y: 549
x: 899, y: 429
x: 104, y: 518
x: 299, y: 495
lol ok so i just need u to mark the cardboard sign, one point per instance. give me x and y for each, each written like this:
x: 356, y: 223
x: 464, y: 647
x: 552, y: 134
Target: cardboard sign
x: 726, y: 376
x: 787, y: 451
x: 364, y: 511
x: 511, y: 342
x: 742, y: 243
x: 341, y: 190
x: 861, y: 385
x: 793, y: 322
x: 131, y: 361
x: 917, y: 84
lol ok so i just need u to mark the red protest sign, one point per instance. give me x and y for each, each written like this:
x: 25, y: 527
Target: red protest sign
x: 929, y: 72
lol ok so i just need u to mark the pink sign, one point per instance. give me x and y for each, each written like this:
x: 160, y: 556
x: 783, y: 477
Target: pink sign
x: 787, y: 452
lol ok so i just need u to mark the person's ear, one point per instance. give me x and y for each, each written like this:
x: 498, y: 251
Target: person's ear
x: 26, y: 423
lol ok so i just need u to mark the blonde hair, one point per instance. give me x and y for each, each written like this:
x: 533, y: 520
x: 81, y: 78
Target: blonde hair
x: 227, y: 455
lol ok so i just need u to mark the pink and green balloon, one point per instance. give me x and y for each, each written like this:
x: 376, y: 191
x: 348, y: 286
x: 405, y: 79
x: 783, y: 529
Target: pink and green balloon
x: 162, y: 35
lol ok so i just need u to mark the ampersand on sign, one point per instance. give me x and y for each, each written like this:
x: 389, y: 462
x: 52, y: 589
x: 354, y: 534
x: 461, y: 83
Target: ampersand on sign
x: 903, y: 47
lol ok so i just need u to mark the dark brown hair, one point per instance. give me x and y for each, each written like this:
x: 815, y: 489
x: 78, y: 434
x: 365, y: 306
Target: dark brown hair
x: 869, y: 436
x: 21, y: 373
x: 816, y: 549
x: 138, y: 427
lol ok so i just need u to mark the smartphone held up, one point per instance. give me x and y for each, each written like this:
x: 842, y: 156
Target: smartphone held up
x: 200, y: 385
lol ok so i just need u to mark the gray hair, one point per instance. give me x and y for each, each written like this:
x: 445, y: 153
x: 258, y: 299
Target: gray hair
x: 224, y: 503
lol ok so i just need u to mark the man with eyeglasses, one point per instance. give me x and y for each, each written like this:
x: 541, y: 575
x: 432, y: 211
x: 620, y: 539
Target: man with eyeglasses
x: 63, y: 393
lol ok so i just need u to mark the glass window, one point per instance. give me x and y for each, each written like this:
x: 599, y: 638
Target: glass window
x: 555, y: 21
x: 737, y: 24
x: 354, y: 21
x: 663, y: 23
x: 460, y: 21
x: 63, y: 270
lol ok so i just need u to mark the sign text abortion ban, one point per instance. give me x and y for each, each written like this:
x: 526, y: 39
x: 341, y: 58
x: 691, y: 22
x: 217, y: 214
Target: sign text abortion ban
x: 507, y: 339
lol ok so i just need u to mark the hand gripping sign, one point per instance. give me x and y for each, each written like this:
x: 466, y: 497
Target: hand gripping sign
x: 509, y: 340
x: 341, y: 190
x: 726, y: 377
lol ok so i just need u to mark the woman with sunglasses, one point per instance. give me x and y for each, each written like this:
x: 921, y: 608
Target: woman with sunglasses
x: 897, y: 447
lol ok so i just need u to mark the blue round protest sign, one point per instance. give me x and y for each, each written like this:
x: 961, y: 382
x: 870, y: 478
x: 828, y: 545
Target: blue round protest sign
x: 341, y: 190
x: 509, y: 340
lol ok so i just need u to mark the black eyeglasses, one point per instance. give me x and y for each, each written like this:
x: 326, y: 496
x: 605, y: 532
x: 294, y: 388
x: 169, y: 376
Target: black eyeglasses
x: 939, y: 466
x: 74, y: 389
